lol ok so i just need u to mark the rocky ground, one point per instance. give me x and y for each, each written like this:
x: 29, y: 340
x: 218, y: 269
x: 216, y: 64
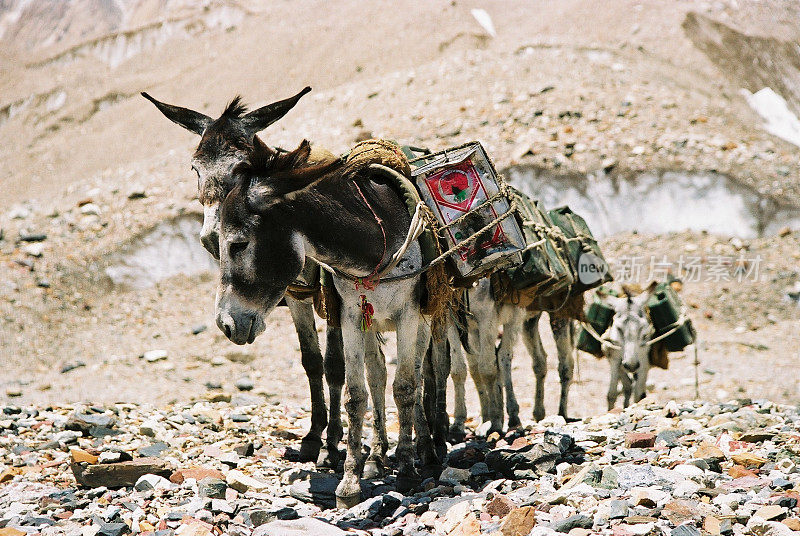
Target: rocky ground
x: 225, y: 467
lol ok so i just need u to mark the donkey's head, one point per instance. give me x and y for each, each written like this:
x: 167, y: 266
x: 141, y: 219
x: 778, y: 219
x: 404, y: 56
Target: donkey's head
x: 261, y: 250
x: 224, y: 142
x: 629, y: 334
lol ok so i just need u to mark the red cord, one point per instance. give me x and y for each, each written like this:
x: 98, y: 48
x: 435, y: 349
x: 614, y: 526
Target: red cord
x: 368, y: 283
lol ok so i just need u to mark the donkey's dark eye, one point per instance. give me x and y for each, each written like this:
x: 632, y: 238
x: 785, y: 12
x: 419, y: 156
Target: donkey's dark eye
x: 237, y: 247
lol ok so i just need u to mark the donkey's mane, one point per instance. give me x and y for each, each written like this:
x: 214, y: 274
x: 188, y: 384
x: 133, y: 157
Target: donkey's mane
x: 235, y: 109
x: 280, y: 164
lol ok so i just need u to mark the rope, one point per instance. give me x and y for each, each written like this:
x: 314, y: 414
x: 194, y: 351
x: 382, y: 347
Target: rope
x: 600, y: 338
x: 696, y: 372
x: 441, y: 258
x: 368, y: 281
x: 675, y: 326
x: 416, y: 229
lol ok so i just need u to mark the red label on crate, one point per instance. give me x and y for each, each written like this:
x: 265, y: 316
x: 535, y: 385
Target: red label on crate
x: 455, y: 187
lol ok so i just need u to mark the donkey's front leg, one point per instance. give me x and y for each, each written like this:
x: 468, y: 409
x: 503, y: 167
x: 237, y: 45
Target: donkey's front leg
x: 626, y: 387
x: 562, y: 333
x: 458, y: 371
x: 505, y: 354
x: 376, y: 378
x: 640, y: 381
x: 441, y: 370
x: 412, y: 339
x: 334, y: 376
x: 613, y: 379
x: 311, y: 357
x: 533, y: 342
x: 348, y: 492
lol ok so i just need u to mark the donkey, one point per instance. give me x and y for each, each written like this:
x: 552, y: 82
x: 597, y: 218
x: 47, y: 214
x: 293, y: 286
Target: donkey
x: 283, y: 210
x: 224, y: 143
x: 490, y: 364
x: 626, y: 344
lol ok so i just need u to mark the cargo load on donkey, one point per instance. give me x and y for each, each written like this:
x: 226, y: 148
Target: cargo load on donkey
x: 483, y: 226
x: 473, y: 208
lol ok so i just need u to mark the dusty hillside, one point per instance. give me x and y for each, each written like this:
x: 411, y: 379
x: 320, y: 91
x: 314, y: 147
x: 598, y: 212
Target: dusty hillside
x: 564, y: 86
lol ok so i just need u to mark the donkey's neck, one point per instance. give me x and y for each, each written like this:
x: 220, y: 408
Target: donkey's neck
x: 339, y: 226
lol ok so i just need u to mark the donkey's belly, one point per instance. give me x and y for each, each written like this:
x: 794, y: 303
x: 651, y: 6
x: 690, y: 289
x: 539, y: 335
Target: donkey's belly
x: 385, y: 304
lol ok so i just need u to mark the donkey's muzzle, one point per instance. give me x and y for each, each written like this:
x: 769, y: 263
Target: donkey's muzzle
x: 239, y: 324
x: 631, y: 367
x: 210, y: 241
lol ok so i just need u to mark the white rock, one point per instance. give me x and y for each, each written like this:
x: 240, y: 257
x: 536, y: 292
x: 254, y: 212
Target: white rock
x: 90, y: 209
x: 689, y: 471
x: 242, y: 482
x: 152, y: 356
x: 484, y: 20
x: 686, y: 488
x: 758, y: 525
x: 35, y: 249
x: 148, y: 482
x: 19, y: 213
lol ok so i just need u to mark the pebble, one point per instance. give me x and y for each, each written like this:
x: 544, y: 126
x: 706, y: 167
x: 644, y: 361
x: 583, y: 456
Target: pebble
x: 213, y: 488
x: 244, y: 384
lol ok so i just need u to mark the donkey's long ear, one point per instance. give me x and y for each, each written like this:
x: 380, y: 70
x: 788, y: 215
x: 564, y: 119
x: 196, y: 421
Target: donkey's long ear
x: 188, y: 119
x: 259, y: 119
x: 642, y: 298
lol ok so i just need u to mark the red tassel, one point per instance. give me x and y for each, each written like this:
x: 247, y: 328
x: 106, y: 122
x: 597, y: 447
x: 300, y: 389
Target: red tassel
x: 367, y: 312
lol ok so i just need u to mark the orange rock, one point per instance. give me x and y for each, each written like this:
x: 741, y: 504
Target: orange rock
x: 9, y: 474
x: 198, y: 473
x: 707, y: 450
x: 737, y: 471
x: 792, y: 522
x: 520, y: 442
x: 712, y: 525
x: 748, y: 459
x: 519, y: 521
x: 80, y: 455
x: 9, y: 531
x: 469, y: 526
x: 500, y: 506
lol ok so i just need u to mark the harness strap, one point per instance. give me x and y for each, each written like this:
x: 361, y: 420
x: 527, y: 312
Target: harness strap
x: 368, y: 283
x: 602, y: 339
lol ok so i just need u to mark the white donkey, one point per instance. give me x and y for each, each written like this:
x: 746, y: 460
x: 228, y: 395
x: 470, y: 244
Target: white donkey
x: 627, y: 345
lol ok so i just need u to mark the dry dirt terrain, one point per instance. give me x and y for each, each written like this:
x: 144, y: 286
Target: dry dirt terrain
x: 566, y: 88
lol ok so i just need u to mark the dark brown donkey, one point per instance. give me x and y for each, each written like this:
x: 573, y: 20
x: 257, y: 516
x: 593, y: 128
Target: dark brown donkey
x: 283, y: 210
x: 225, y: 142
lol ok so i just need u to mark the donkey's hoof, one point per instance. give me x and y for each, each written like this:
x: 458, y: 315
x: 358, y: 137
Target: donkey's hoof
x: 348, y: 492
x: 514, y: 422
x: 373, y: 468
x: 431, y: 471
x: 347, y: 501
x: 329, y: 459
x: 309, y: 449
x: 538, y: 415
x: 408, y: 482
x: 456, y: 434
